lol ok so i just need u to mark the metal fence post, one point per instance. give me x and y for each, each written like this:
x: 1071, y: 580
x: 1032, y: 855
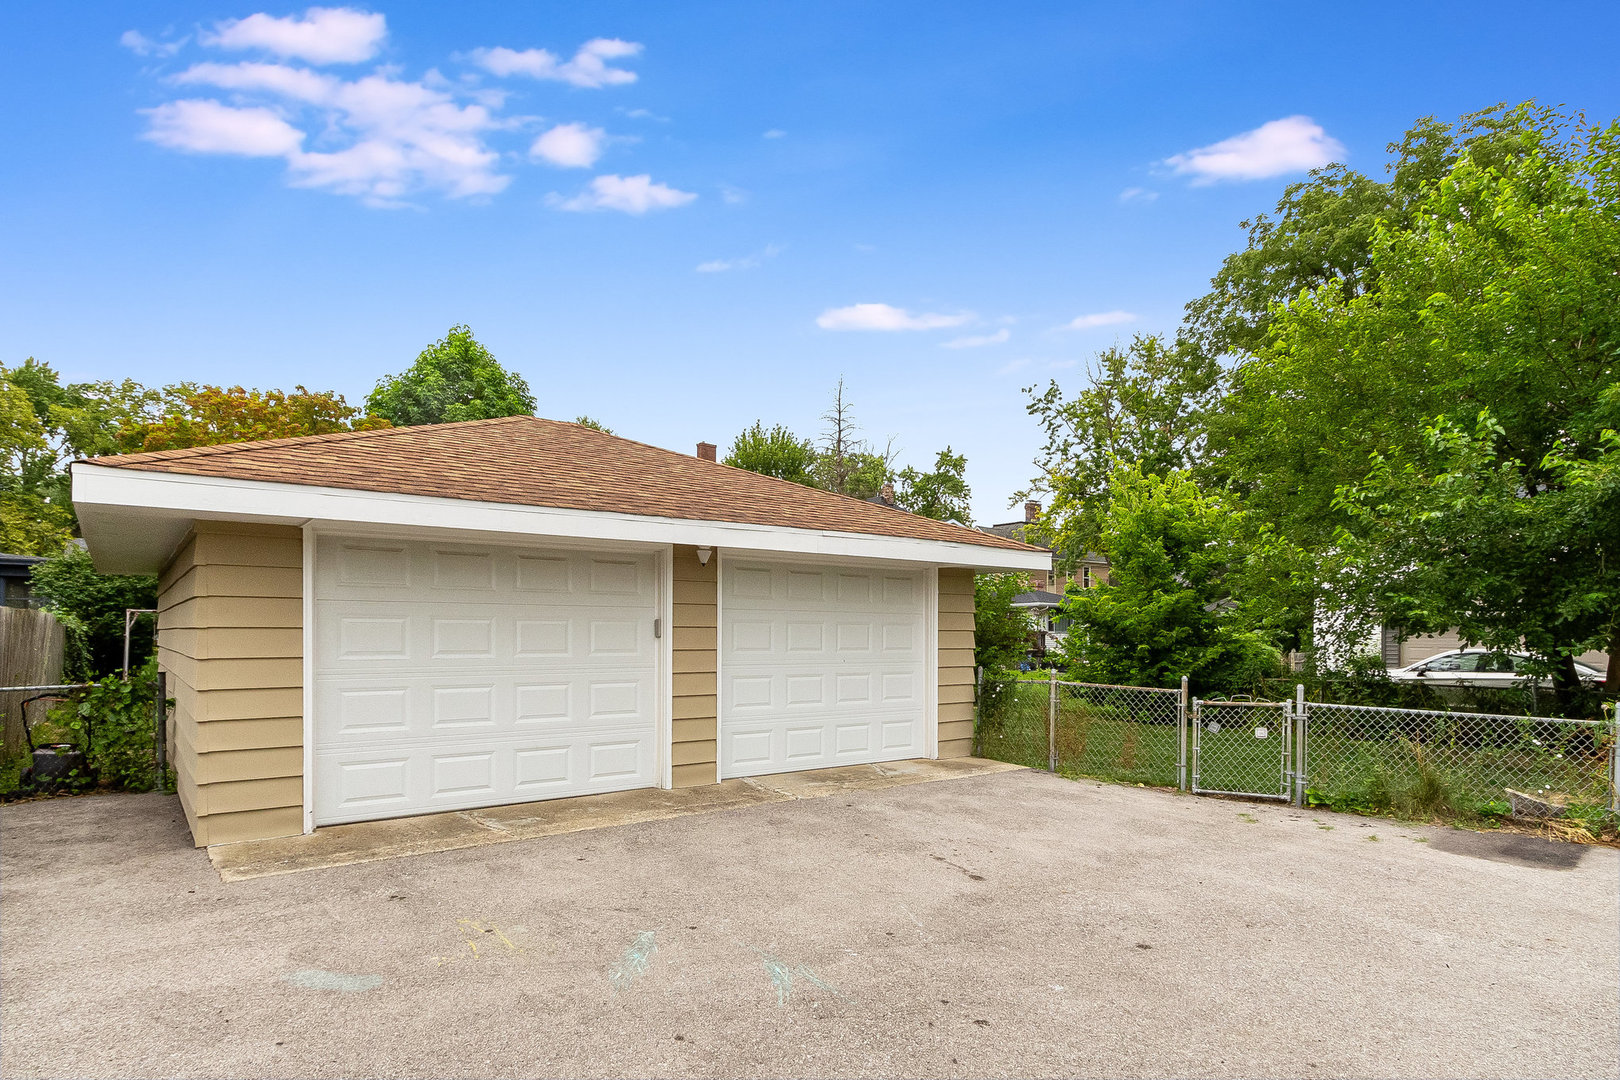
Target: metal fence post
x: 1614, y: 758
x: 1181, y: 736
x: 1301, y: 739
x: 1051, y: 721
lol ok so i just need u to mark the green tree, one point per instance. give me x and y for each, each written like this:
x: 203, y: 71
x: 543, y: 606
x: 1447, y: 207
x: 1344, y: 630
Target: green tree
x: 1000, y: 631
x: 774, y: 452
x: 30, y: 524
x: 942, y: 494
x: 45, y: 427
x: 594, y: 425
x: 1167, y: 609
x: 71, y: 586
x: 1501, y: 296
x: 1454, y: 541
x: 195, y: 415
x: 1001, y: 638
x: 1322, y: 230
x: 1148, y: 402
x: 453, y: 379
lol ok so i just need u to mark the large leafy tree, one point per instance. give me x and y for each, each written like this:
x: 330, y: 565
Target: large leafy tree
x: 454, y: 379
x: 93, y: 604
x: 46, y: 425
x: 1499, y: 296
x: 1147, y: 402
x: 1167, y: 609
x: 208, y: 415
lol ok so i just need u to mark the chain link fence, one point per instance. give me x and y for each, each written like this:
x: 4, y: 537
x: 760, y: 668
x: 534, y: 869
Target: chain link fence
x: 1429, y: 762
x: 1434, y: 763
x: 1130, y: 734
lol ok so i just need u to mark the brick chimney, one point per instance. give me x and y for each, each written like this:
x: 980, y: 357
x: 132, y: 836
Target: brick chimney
x: 1032, y: 511
x: 706, y: 451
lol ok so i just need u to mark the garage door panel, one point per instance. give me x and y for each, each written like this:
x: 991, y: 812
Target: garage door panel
x: 820, y: 666
x: 378, y: 636
x: 365, y: 569
x: 451, y: 676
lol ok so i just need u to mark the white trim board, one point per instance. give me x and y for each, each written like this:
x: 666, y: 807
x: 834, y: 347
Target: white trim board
x: 128, y: 515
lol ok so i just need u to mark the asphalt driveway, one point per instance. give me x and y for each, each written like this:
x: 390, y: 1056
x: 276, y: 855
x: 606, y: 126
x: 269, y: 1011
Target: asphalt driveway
x: 993, y: 925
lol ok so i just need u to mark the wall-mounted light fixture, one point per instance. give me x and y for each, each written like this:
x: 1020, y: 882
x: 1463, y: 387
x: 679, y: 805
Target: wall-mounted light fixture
x: 703, y: 554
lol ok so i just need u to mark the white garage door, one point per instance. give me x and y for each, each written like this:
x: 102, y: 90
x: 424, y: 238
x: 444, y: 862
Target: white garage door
x: 450, y: 676
x: 820, y: 666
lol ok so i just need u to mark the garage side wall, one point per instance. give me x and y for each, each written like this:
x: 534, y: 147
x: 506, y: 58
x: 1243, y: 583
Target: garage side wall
x: 230, y: 638
x: 956, y: 671
x: 695, y: 651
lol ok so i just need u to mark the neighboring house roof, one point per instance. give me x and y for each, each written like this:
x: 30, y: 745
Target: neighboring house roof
x: 527, y: 461
x: 1014, y: 530
x: 1038, y: 598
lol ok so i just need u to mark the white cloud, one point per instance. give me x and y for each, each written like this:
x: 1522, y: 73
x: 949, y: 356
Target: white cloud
x: 569, y: 146
x: 322, y: 36
x: 207, y: 127
x: 732, y: 196
x: 1292, y: 144
x: 746, y: 262
x: 885, y: 317
x: 1101, y: 318
x: 642, y: 114
x: 589, y: 68
x: 973, y: 341
x: 383, y: 137
x: 629, y: 194
x: 141, y: 45
x: 1136, y: 194
x: 402, y: 137
x: 774, y: 133
x: 301, y: 84
x: 1014, y: 365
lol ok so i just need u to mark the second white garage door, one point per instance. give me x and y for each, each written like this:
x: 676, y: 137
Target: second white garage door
x: 820, y: 666
x: 450, y: 676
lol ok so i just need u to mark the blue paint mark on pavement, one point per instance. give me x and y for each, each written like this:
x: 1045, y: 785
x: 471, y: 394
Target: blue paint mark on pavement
x: 635, y: 961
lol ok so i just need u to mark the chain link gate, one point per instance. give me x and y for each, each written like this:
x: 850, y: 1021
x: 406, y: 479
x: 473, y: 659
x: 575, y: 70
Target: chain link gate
x: 1243, y: 748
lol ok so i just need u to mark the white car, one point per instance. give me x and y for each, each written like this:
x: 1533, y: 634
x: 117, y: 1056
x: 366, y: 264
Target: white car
x: 1479, y: 667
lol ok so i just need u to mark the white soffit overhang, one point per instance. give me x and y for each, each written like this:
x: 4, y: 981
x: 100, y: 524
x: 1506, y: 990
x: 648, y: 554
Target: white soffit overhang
x: 133, y: 520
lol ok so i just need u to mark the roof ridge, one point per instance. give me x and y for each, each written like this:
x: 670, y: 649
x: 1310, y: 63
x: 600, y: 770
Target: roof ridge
x: 768, y: 477
x: 320, y: 438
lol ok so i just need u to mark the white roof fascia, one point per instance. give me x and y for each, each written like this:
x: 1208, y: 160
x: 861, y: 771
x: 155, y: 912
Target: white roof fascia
x: 129, y: 517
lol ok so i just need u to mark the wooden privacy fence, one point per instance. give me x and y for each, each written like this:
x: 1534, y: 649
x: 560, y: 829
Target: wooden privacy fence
x: 31, y: 643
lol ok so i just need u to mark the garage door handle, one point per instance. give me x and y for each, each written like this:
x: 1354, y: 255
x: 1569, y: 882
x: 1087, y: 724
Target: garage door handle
x: 658, y: 628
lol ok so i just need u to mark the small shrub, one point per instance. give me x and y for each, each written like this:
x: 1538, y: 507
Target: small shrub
x: 114, y: 723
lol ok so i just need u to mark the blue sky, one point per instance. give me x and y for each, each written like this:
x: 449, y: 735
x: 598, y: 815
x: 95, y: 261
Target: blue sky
x: 681, y: 218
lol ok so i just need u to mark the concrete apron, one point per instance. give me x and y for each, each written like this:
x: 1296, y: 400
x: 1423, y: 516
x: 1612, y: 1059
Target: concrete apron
x: 372, y: 841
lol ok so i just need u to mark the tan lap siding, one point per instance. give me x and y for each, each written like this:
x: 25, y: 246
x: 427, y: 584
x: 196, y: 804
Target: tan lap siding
x: 694, y: 648
x: 955, y: 663
x: 230, y: 638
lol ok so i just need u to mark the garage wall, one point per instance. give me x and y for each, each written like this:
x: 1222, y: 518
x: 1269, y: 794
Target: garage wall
x: 696, y: 639
x: 230, y: 638
x: 956, y: 671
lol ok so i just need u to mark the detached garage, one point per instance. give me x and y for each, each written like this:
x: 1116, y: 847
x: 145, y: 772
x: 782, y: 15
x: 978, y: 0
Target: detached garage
x: 388, y: 623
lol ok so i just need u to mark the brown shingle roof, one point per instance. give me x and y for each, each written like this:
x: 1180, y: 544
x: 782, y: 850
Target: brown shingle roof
x: 528, y: 461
